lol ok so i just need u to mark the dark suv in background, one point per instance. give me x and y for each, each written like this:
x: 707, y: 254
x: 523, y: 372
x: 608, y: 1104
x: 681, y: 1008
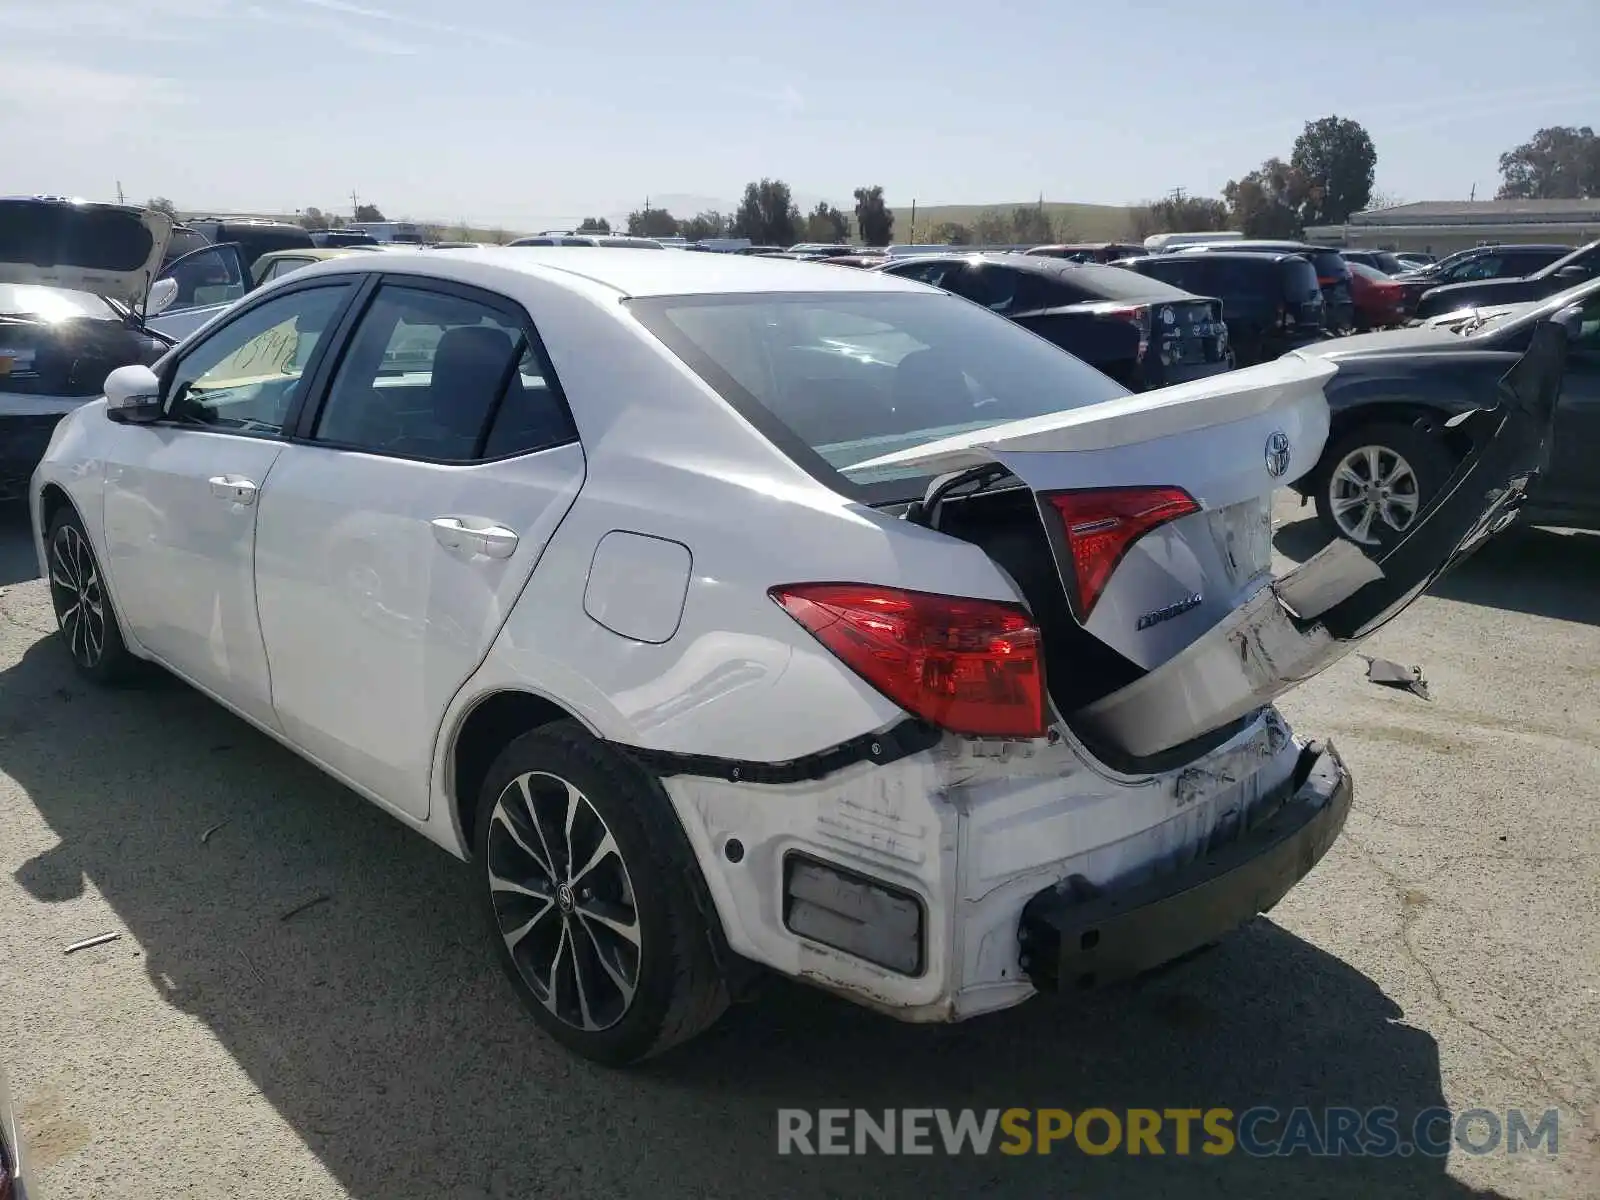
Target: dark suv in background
x: 1272, y: 303
x: 253, y: 237
x: 1141, y: 332
x: 1333, y: 274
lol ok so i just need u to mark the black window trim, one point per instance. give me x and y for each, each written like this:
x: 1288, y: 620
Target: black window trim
x: 305, y: 423
x: 309, y: 378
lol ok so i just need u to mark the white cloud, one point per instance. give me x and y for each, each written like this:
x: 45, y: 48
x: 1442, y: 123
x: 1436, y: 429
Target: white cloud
x: 57, y: 87
x: 348, y: 32
x: 486, y: 34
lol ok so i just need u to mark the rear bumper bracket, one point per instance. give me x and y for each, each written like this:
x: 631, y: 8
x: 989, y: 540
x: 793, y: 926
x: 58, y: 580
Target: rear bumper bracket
x: 1075, y: 938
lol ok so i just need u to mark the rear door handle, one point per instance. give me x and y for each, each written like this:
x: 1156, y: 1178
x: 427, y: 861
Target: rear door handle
x: 494, y: 541
x: 234, y: 488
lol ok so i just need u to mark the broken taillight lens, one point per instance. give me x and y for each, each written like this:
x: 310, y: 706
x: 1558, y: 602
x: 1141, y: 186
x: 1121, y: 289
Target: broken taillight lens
x: 1137, y: 315
x: 973, y: 667
x: 1102, y: 525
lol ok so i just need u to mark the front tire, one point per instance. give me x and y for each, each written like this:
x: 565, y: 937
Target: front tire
x: 1375, y: 480
x: 593, y: 900
x: 84, y: 614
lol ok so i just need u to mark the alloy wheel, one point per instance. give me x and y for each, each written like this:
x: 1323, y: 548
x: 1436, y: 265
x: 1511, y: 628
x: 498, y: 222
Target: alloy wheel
x: 78, y: 596
x: 563, y: 902
x: 1373, y: 489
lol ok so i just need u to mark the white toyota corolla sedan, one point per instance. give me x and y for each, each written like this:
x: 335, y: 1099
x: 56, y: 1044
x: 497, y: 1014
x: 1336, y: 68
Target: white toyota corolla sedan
x: 731, y: 613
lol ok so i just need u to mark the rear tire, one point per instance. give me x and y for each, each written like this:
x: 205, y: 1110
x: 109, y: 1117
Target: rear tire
x: 84, y: 612
x: 1374, y: 480
x: 593, y: 899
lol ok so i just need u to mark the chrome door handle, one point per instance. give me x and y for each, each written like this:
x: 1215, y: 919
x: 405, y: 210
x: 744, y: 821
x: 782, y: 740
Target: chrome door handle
x: 234, y: 488
x: 494, y: 541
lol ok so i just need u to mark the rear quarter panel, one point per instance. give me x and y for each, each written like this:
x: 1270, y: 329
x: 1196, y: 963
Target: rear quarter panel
x: 668, y: 459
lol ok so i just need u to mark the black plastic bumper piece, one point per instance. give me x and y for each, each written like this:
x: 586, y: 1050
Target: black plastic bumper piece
x: 1076, y: 937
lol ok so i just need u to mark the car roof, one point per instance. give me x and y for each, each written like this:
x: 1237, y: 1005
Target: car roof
x: 322, y: 252
x: 629, y: 272
x: 1242, y: 256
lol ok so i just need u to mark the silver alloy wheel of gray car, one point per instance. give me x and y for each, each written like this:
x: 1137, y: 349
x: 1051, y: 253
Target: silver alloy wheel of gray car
x: 563, y: 901
x: 78, y: 596
x: 1373, y: 485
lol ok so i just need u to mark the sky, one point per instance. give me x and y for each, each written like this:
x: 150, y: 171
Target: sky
x: 526, y: 115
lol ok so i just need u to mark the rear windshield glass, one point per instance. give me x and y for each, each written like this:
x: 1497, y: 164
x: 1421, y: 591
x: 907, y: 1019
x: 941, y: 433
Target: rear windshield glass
x: 1115, y: 283
x: 836, y: 379
x: 1330, y: 264
x: 52, y: 304
x: 1299, y: 278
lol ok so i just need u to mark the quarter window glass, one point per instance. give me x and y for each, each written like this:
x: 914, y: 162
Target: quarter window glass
x: 429, y: 375
x: 243, y: 377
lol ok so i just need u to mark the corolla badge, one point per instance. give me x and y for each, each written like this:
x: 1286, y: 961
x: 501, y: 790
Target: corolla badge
x: 1277, y: 453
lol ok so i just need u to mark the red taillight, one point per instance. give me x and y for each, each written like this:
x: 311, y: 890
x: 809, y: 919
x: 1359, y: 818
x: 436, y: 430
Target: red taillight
x: 1138, y: 315
x: 1102, y: 525
x: 970, y: 666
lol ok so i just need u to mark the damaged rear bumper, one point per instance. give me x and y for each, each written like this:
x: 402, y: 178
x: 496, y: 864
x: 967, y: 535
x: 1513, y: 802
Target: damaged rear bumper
x: 1075, y: 938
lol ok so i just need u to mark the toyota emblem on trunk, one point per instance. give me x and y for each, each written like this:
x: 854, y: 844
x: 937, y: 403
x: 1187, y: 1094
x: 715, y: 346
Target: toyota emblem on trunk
x: 1277, y: 453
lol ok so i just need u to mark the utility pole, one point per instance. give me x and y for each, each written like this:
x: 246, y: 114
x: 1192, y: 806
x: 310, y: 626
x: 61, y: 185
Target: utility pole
x: 354, y: 205
x: 120, y: 200
x: 913, y: 239
x: 1473, y: 195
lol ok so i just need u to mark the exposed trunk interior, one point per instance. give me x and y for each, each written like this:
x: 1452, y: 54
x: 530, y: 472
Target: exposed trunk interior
x: 1004, y: 522
x: 1080, y: 669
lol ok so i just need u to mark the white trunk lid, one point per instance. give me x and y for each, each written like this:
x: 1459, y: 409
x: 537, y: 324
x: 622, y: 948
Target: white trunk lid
x: 106, y: 249
x: 1227, y: 441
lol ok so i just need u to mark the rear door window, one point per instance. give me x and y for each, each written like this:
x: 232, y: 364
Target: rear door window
x: 442, y: 377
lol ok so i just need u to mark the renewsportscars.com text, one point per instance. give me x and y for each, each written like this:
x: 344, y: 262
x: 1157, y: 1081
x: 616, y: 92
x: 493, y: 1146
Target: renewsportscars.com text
x: 1259, y: 1132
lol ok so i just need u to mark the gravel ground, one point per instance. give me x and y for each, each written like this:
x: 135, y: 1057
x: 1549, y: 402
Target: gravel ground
x: 1446, y: 952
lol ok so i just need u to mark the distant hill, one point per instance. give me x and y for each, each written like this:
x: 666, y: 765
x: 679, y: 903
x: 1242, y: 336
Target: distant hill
x: 1087, y: 222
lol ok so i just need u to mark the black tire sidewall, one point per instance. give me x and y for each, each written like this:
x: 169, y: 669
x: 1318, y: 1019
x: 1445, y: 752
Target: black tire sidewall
x: 115, y: 663
x: 635, y: 809
x: 1426, y: 454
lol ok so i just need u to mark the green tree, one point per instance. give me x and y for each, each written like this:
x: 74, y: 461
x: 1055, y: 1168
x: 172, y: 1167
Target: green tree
x: 1267, y: 202
x: 827, y: 224
x: 313, y: 218
x: 652, y: 222
x: 1177, y: 213
x: 1336, y: 163
x: 597, y: 225
x: 767, y: 215
x: 1558, y: 163
x: 1030, y: 224
x: 874, y: 220
x: 368, y: 212
x: 950, y: 233
x: 162, y: 205
x: 708, y: 224
x: 993, y: 227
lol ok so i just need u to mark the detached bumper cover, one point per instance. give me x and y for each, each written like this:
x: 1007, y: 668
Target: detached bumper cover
x: 1074, y: 939
x: 1313, y: 616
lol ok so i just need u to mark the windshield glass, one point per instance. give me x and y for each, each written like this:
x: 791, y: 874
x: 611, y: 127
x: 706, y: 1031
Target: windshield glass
x: 845, y: 377
x: 52, y: 304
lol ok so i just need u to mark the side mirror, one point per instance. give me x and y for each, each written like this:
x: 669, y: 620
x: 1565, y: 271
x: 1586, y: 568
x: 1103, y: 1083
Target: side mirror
x: 1574, y: 273
x: 1571, y: 320
x: 162, y: 293
x: 133, y: 395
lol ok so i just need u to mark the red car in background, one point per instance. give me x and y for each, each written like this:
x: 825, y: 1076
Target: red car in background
x: 1380, y: 301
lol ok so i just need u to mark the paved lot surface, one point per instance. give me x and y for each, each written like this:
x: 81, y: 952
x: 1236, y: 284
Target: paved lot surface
x: 1447, y: 952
